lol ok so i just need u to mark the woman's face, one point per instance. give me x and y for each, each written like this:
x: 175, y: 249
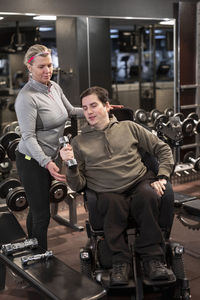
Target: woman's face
x: 41, y: 69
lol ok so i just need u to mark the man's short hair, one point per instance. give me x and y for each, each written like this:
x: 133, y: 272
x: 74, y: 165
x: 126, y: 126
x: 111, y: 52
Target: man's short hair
x: 100, y: 92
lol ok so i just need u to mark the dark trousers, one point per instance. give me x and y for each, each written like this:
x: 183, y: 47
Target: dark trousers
x: 36, y: 182
x: 150, y: 212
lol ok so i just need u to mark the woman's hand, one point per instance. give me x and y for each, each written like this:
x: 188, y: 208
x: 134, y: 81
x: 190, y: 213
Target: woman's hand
x: 116, y: 106
x: 159, y: 186
x: 54, y: 171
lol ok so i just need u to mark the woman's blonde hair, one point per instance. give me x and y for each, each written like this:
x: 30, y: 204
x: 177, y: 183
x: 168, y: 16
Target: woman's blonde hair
x: 35, y: 50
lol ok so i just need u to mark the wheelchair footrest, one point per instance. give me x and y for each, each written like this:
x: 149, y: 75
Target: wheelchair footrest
x: 105, y: 281
x: 193, y: 207
x: 172, y: 279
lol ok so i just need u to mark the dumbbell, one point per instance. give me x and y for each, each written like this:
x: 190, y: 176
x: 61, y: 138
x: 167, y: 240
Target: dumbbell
x: 2, y: 153
x: 190, y: 158
x: 187, y: 124
x: 154, y: 114
x: 10, y: 141
x: 161, y: 118
x: 36, y: 257
x: 14, y: 247
x: 196, y: 119
x: 169, y: 112
x: 64, y: 140
x: 14, y: 126
x: 58, y: 191
x: 141, y: 116
x: 11, y: 189
x: 5, y: 167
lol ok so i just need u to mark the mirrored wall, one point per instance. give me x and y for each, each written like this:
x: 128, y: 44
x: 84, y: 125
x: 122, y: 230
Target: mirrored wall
x: 141, y: 66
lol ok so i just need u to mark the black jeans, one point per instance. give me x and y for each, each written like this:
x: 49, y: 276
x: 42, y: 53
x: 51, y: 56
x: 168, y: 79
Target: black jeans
x: 150, y: 212
x: 36, y: 181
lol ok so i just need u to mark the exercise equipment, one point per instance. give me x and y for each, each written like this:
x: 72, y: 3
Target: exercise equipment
x: 169, y: 112
x: 154, y: 114
x: 169, y: 130
x: 6, y: 167
x: 58, y: 191
x: 187, y: 124
x: 11, y: 248
x: 2, y: 153
x: 43, y: 275
x: 64, y: 140
x: 31, y: 258
x: 196, y: 119
x: 190, y: 158
x: 141, y: 116
x: 14, y: 127
x: 11, y: 189
x: 10, y: 141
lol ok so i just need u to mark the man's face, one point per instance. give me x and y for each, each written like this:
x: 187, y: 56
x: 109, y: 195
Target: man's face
x: 96, y: 113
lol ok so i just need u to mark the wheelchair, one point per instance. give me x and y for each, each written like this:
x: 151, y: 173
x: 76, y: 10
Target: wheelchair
x: 95, y: 258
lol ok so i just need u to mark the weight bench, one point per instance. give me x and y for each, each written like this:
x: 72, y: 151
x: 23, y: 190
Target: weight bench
x: 187, y: 208
x: 52, y: 278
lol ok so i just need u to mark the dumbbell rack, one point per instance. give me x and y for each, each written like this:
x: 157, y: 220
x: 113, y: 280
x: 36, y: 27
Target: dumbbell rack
x: 71, y: 222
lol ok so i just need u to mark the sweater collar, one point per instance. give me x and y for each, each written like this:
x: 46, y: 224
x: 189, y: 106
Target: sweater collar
x: 40, y: 87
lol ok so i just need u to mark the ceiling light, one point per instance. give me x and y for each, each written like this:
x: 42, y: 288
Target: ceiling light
x: 167, y: 22
x: 9, y: 13
x: 44, y: 29
x: 45, y: 17
x: 30, y: 14
x: 1, y: 18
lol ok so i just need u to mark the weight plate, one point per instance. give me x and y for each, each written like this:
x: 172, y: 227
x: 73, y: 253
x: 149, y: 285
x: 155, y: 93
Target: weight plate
x: 2, y: 153
x: 161, y: 119
x: 180, y: 115
x: 187, y: 156
x: 58, y: 191
x: 11, y: 149
x: 6, y: 128
x: 197, y: 128
x: 169, y: 112
x: 16, y: 199
x: 188, y: 127
x: 6, y: 166
x: 154, y: 114
x: 7, y: 184
x: 193, y: 115
x: 197, y: 164
x: 141, y: 116
x: 8, y: 137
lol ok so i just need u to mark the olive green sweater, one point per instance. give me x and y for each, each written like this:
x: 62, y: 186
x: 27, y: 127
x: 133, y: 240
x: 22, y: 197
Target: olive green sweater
x: 109, y: 160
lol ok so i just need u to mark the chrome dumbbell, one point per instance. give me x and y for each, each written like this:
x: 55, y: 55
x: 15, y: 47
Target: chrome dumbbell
x: 64, y: 140
x: 12, y: 248
x: 190, y: 158
x: 31, y: 258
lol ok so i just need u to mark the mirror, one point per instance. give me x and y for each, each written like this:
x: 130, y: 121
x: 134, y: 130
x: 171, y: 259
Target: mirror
x: 142, y: 59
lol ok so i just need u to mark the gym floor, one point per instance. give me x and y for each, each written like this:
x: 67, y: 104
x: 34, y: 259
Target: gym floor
x: 66, y: 242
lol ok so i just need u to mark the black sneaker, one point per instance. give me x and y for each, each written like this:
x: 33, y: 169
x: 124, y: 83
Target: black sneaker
x: 120, y: 274
x: 154, y: 269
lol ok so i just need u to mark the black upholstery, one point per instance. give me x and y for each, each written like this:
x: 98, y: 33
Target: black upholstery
x: 10, y: 229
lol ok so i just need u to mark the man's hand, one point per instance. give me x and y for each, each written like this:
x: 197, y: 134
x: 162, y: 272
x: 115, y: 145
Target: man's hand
x: 159, y: 186
x: 67, y: 153
x: 54, y: 171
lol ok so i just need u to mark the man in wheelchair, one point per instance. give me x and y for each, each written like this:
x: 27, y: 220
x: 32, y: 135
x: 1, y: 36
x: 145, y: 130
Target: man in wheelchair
x: 109, y: 163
